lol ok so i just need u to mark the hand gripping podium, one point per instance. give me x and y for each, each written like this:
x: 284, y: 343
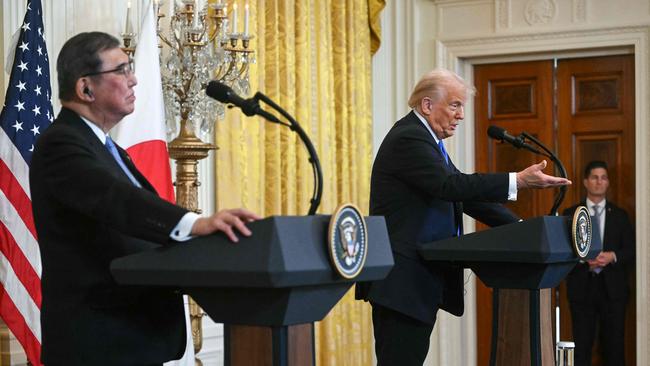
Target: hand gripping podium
x: 520, y: 258
x: 279, y: 277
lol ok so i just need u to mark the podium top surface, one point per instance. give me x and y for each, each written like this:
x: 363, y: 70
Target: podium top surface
x: 284, y: 251
x: 542, y: 240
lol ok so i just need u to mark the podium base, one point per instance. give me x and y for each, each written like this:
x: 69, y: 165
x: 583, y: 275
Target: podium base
x: 522, y: 328
x: 291, y: 345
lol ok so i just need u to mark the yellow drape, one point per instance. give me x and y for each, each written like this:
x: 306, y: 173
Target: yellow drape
x: 313, y: 59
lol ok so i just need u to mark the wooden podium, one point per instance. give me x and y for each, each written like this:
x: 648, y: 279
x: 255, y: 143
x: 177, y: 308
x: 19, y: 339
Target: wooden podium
x: 520, y: 261
x: 274, y: 283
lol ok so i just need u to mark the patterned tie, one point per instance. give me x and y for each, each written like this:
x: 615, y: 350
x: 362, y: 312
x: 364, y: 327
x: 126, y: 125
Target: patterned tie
x: 444, y: 152
x: 595, y: 229
x: 110, y: 145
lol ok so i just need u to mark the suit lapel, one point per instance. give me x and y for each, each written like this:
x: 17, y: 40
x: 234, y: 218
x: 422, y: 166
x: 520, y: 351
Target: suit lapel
x: 457, y: 207
x: 608, y: 219
x: 413, y: 119
x: 134, y: 170
x: 71, y: 118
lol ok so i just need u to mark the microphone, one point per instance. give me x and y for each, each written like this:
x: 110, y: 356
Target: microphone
x: 224, y: 94
x: 500, y: 134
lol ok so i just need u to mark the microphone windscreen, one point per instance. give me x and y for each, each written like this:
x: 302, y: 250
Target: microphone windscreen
x: 495, y: 132
x: 219, y: 91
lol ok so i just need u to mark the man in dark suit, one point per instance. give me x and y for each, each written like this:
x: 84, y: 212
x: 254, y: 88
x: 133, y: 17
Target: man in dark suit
x: 597, y: 289
x: 418, y: 189
x: 91, y: 205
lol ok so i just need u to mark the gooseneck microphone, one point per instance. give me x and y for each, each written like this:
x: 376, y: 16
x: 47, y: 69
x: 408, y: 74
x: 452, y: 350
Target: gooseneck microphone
x: 519, y: 142
x: 501, y: 134
x: 224, y: 94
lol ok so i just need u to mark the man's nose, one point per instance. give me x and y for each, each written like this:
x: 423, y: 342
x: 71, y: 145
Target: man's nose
x: 133, y: 81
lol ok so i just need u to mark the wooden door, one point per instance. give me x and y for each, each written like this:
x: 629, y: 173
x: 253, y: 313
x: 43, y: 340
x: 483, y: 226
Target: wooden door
x: 517, y: 97
x: 596, y: 122
x: 582, y: 109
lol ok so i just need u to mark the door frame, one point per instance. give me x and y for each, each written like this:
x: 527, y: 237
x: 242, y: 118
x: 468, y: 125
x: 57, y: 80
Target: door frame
x: 462, y: 55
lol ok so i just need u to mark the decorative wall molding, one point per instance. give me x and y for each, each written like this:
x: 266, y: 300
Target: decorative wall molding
x: 536, y: 42
x: 579, y: 11
x: 503, y: 14
x: 540, y: 11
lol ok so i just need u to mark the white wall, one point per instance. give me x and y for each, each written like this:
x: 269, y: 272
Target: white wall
x: 422, y: 34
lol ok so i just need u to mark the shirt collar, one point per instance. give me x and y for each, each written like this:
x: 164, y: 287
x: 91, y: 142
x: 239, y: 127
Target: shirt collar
x: 98, y: 131
x: 590, y: 204
x: 426, y: 124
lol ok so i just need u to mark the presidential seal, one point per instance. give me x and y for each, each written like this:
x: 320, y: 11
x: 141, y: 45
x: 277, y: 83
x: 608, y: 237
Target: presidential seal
x: 581, y: 231
x: 347, y: 241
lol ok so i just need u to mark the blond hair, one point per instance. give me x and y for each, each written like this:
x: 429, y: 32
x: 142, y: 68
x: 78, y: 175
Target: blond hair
x: 435, y: 85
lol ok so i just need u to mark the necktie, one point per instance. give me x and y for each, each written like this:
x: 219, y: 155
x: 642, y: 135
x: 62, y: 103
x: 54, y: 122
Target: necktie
x: 595, y: 229
x: 443, y: 151
x: 110, y: 145
x: 441, y: 145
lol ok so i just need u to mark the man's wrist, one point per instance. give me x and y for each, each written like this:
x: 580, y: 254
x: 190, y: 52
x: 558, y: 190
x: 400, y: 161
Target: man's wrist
x: 183, y: 230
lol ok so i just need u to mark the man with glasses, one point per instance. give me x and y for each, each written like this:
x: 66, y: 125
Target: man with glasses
x: 598, y: 289
x: 418, y: 189
x: 91, y: 205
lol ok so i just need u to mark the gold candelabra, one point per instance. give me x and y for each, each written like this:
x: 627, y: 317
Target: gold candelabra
x: 203, y: 43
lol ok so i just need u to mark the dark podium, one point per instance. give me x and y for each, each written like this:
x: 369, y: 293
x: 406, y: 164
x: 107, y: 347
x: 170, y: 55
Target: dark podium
x: 279, y: 279
x: 517, y: 260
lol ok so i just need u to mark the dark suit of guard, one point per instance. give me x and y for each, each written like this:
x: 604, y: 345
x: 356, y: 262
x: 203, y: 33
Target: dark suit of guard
x: 87, y: 213
x: 423, y: 198
x: 604, y: 295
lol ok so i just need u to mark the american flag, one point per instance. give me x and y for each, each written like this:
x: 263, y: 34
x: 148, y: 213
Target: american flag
x: 26, y: 113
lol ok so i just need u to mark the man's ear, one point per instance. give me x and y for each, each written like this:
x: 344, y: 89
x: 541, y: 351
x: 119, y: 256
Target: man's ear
x: 426, y: 106
x: 83, y: 90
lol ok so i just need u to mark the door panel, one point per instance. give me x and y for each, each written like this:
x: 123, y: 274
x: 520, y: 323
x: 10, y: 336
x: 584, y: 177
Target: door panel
x: 596, y: 122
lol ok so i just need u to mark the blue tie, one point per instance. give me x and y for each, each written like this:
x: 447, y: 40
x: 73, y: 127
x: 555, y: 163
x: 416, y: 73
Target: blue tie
x: 444, y: 152
x: 595, y: 230
x: 444, y: 155
x: 110, y: 145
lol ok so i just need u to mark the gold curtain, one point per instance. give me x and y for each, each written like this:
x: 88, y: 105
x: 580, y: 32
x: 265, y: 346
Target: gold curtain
x: 313, y: 59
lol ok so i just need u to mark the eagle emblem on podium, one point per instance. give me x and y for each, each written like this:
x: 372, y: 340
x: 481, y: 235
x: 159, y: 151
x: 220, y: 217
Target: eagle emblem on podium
x: 347, y: 241
x: 581, y: 232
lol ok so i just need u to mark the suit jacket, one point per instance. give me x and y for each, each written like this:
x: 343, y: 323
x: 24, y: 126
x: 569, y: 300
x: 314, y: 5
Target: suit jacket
x: 423, y: 198
x: 87, y: 213
x: 619, y: 238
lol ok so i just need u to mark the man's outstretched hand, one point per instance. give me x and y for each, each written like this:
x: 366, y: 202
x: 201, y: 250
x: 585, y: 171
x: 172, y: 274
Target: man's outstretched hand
x: 226, y: 221
x: 533, y: 177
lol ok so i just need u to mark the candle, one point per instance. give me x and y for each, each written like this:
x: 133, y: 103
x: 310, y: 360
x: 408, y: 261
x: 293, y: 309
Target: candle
x: 234, y: 18
x: 246, y: 14
x: 128, y: 28
x: 196, y: 13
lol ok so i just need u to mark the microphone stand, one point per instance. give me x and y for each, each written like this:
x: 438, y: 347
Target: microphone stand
x: 313, y: 157
x: 558, y: 200
x: 560, y: 197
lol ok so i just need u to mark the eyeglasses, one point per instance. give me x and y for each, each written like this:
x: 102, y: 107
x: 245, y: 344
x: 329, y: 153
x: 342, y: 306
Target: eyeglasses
x: 125, y: 69
x: 456, y: 106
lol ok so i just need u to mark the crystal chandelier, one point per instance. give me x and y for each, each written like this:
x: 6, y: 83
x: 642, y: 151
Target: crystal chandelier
x: 203, y: 43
